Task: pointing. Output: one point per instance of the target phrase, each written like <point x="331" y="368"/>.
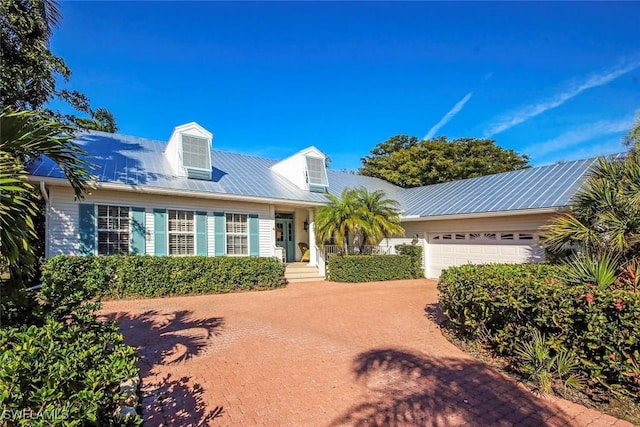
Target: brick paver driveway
<point x="320" y="354"/>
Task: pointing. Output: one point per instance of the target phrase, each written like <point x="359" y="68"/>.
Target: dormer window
<point x="316" y="174"/>
<point x="196" y="156"/>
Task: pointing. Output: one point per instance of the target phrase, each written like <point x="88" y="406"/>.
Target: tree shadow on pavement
<point x="406" y="388"/>
<point x="164" y="338"/>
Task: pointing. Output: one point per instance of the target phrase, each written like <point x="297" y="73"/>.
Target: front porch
<point x="302" y="272"/>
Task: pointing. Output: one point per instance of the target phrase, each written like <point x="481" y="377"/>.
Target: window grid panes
<point x="316" y="172"/>
<point x="113" y="230"/>
<point x="237" y="234"/>
<point x="181" y="233"/>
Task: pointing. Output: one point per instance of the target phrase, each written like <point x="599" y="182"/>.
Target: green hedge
<point x="499" y="305"/>
<point x="369" y="268"/>
<point x="67" y="279"/>
<point x="415" y="252"/>
<point x="63" y="374"/>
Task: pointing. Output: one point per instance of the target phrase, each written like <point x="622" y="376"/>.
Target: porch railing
<point x="356" y="250"/>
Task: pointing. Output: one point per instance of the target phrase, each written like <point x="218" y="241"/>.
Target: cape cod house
<point x="182" y="197"/>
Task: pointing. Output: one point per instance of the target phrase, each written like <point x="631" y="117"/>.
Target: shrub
<point x="68" y="280"/>
<point x="369" y="268"/>
<point x="415" y="252"/>
<point x="500" y="305"/>
<point x="63" y="374"/>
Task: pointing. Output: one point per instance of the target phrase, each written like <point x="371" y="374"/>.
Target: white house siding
<point x="441" y="254"/>
<point x="63" y="216"/>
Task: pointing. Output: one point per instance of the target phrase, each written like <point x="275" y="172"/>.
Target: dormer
<point x="307" y="169"/>
<point x="189" y="151"/>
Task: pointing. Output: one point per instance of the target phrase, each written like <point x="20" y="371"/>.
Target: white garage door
<point x="451" y="249"/>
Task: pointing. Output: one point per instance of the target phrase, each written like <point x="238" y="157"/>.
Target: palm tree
<point x="380" y="217"/>
<point x="357" y="217"/>
<point x="338" y="219"/>
<point x="25" y="136"/>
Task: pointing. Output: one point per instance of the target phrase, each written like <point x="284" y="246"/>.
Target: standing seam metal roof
<point x="141" y="162"/>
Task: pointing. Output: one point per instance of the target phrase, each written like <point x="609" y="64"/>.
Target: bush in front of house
<point x="66" y="280"/>
<point x="414" y="252"/>
<point x="369" y="268"/>
<point x="503" y="307"/>
<point x="64" y="373"/>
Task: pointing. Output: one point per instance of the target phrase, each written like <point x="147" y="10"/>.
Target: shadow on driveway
<point x="415" y="389"/>
<point x="168" y="338"/>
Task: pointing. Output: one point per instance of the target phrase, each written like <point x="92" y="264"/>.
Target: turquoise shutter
<point x="160" y="232"/>
<point x="254" y="247"/>
<point x="138" y="231"/>
<point x="218" y="233"/>
<point x="201" y="233"/>
<point x="87" y="228"/>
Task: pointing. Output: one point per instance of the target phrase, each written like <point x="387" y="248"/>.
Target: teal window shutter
<point x="254" y="243"/>
<point x="201" y="233"/>
<point x="219" y="233"/>
<point x="138" y="231"/>
<point x="87" y="228"/>
<point x="160" y="232"/>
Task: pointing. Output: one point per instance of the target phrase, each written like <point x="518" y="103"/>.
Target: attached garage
<point x="458" y="248"/>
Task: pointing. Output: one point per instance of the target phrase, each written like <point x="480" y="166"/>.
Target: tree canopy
<point x="407" y="161"/>
<point x="30" y="73"/>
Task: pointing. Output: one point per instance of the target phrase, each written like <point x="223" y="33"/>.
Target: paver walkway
<point x="321" y="354"/>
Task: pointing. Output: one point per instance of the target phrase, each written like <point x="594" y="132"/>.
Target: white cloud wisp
<point x="447" y="117"/>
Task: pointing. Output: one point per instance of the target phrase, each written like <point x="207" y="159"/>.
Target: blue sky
<point x="556" y="81"/>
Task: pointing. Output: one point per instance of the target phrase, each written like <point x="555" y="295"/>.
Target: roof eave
<point x="547" y="210"/>
<point x="176" y="192"/>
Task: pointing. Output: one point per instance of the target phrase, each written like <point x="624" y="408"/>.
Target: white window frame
<point x="111" y="230"/>
<point x="181" y="233"/>
<point x="228" y="234"/>
<point x="208" y="145"/>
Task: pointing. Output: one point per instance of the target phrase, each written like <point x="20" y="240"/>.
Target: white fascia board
<point x="176" y="192"/>
<point x="410" y="218"/>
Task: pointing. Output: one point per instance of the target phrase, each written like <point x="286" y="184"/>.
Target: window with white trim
<point x="181" y="233"/>
<point x="196" y="156"/>
<point x="237" y="233"/>
<point x="113" y="230"/>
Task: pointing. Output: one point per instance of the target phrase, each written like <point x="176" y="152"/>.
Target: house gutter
<point x="550" y="210"/>
<point x="176" y="192"/>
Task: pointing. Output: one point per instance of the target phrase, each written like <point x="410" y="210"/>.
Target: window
<point x="506" y="236"/>
<point x="237" y="234"/>
<point x="316" y="172"/>
<point x="113" y="230"/>
<point x="181" y="233"/>
<point x="525" y="236"/>
<point x="196" y="157"/>
<point x="460" y="236"/>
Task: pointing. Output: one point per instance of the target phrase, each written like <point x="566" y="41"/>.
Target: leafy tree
<point x="408" y="162"/>
<point x="632" y="139"/>
<point x="357" y="217"/>
<point x="101" y="119"/>
<point x="24" y="137"/>
<point x="30" y="71"/>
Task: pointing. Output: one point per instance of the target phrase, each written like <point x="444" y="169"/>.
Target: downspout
<point x="45" y="196"/>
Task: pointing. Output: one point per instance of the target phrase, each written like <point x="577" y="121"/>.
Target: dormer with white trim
<point x="307" y="169"/>
<point x="189" y="151"/>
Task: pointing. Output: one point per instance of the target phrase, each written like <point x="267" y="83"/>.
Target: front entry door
<point x="284" y="237"/>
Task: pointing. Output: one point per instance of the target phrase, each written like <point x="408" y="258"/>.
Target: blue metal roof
<point x="141" y="162"/>
<point x="534" y="188"/>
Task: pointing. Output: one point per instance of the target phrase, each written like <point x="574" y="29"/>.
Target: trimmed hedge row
<point x="500" y="305"/>
<point x="67" y="279"/>
<point x="414" y="252"/>
<point x="370" y="268"/>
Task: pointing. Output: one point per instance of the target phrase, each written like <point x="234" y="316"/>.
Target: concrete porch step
<point x="300" y="271"/>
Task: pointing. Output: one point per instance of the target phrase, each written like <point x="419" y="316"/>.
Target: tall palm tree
<point x="25" y="136"/>
<point x="357" y="217"/>
<point x="380" y="216"/>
